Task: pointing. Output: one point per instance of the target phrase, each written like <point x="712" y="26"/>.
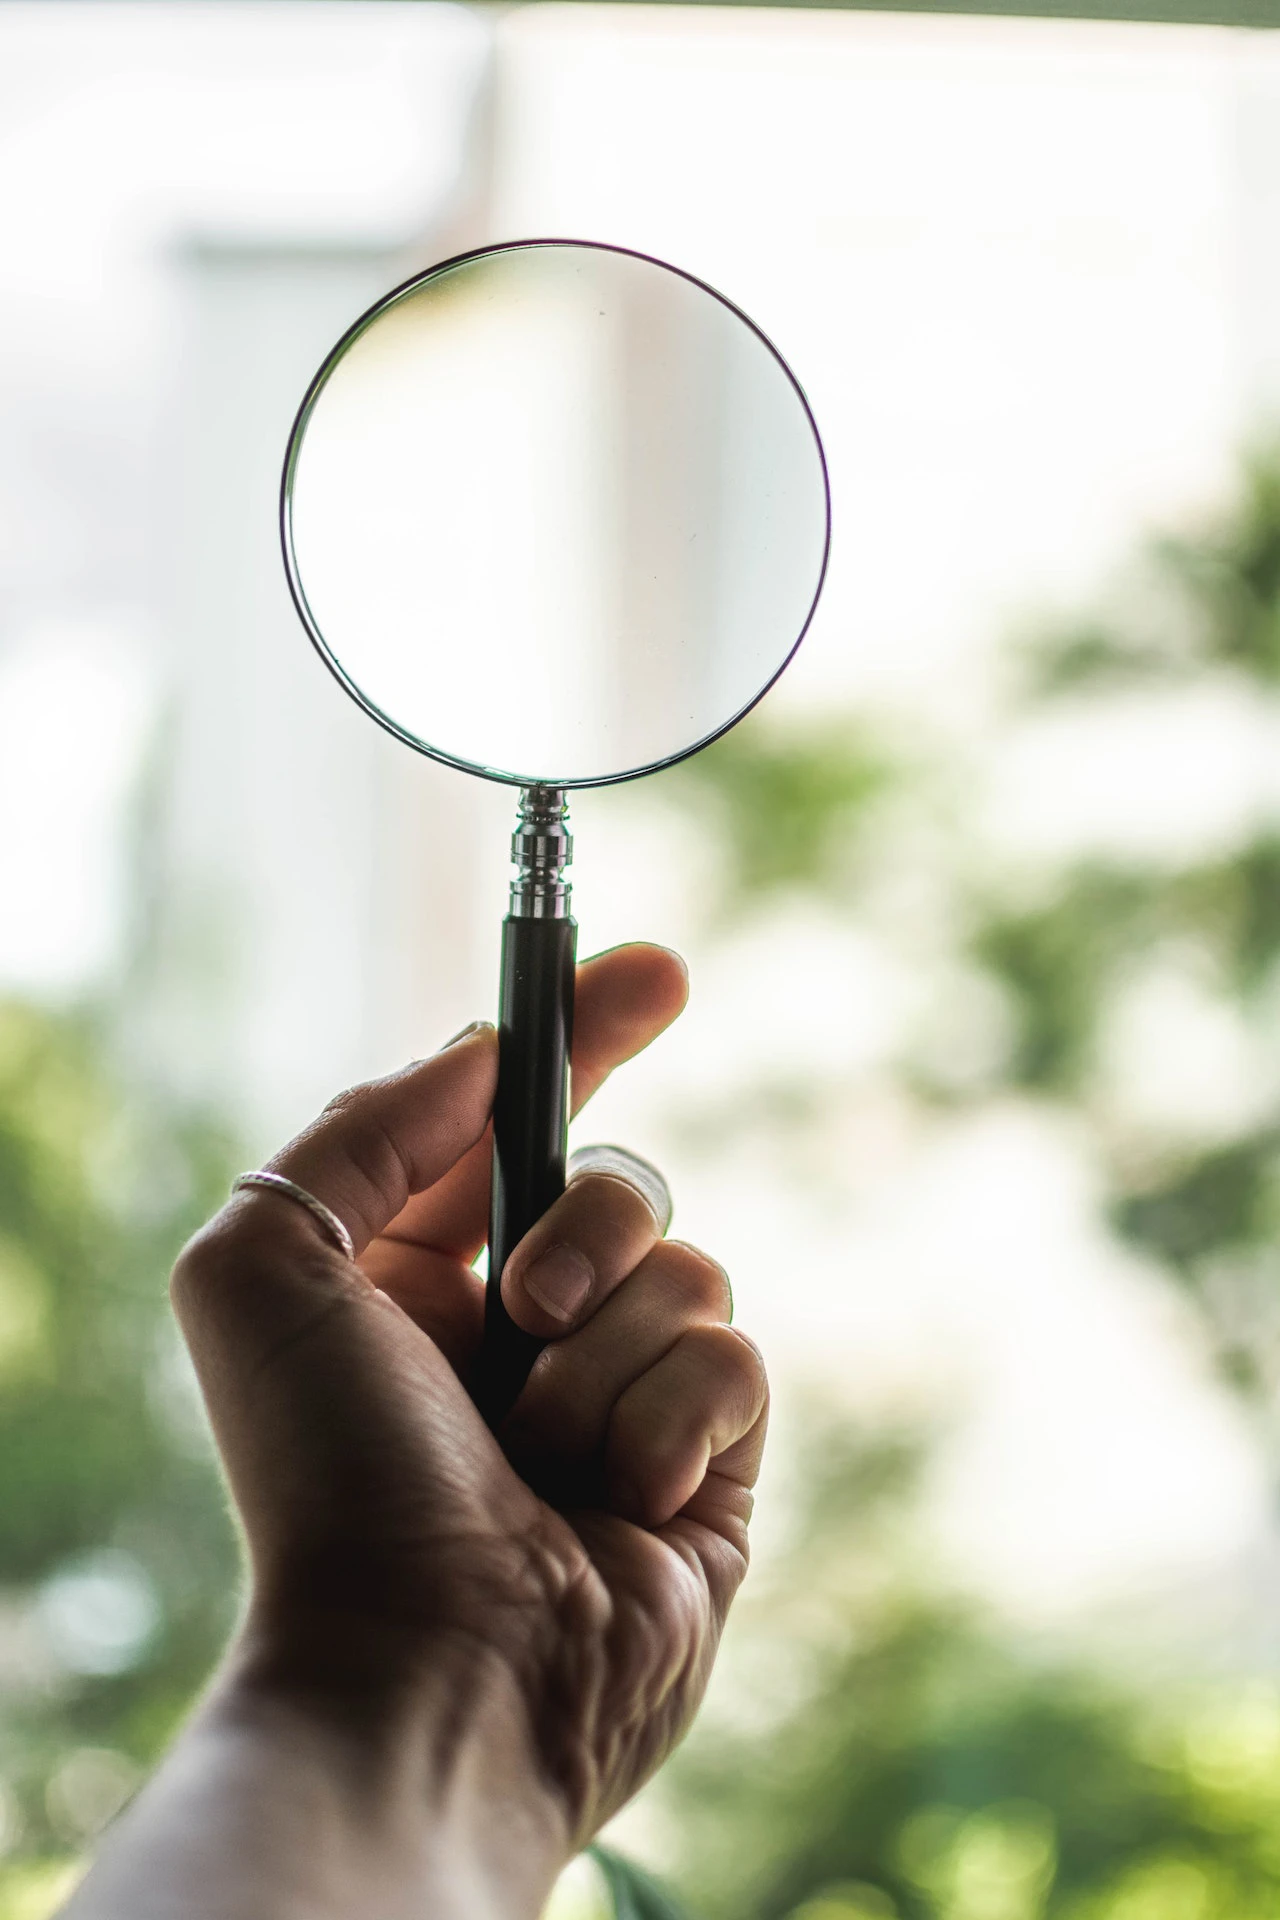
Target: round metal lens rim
<point x="294" y="577"/>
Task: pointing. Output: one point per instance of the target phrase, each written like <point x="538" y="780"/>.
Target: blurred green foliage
<point x="1206" y="1210"/>
<point x="632" y="1893"/>
<point x="117" y="1560"/>
<point x="923" y="1766"/>
<point x="1212" y="599"/>
<point x="1061" y="950"/>
<point x="788" y="807"/>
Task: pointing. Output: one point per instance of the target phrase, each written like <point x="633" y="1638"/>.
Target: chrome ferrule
<point x="541" y="847"/>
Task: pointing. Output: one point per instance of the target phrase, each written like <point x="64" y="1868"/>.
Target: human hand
<point x="536" y="1617"/>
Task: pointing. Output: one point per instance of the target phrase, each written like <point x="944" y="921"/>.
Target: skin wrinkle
<point x="455" y="1333"/>
<point x="219" y="1261"/>
<point x="372" y="1163"/>
<point x="288" y="1342"/>
<point x="641" y="1720"/>
<point x="465" y="1253"/>
<point x="500" y="1606"/>
<point x="584" y="1614"/>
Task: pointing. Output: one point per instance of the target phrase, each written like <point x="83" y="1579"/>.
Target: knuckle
<point x="373" y="1168"/>
<point x="236" y="1254"/>
<point x="702" y="1281"/>
<point x="201" y="1261"/>
<point x="734" y="1362"/>
<point x="348" y="1101"/>
<point x="631" y="1438"/>
<point x="365" y="1147"/>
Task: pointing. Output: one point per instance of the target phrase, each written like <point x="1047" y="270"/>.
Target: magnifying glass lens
<point x="556" y="513"/>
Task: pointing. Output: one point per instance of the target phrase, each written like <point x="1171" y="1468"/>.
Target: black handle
<point x="530" y="1124"/>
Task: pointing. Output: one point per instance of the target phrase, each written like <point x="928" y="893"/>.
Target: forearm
<point x="273" y="1808"/>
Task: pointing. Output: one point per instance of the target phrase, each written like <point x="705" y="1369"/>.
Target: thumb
<point x="375" y="1146"/>
<point x="264" y="1269"/>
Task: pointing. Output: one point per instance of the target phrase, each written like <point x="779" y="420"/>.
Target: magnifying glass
<point x="555" y="513"/>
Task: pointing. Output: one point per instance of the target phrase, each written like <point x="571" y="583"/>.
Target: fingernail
<point x="559" y="1280"/>
<point x="476" y="1026"/>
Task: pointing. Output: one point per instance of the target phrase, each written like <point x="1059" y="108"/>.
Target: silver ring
<point x="622" y="1164"/>
<point x="276" y="1183"/>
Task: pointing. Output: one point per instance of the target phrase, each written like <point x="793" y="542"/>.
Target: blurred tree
<point x="921" y="1768"/>
<point x="795" y="811"/>
<point x="116" y="1556"/>
<point x="1206" y="1208"/>
<point x="788" y="806"/>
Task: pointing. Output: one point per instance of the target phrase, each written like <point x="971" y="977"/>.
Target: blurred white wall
<point x="1254" y="250"/>
<point x="196" y="201"/>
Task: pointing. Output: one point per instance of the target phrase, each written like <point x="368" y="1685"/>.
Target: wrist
<point x="424" y="1763"/>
